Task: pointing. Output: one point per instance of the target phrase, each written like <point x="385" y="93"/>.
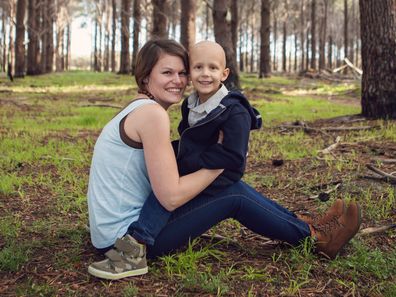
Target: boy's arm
<point x="231" y="154"/>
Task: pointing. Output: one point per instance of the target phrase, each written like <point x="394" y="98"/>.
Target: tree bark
<point x="378" y="35"/>
<point x="322" y="36"/>
<point x="68" y="44"/>
<point x="160" y="19"/>
<point x="265" y="54"/>
<point x="234" y="24"/>
<point x="50" y="36"/>
<point x="20" y="39"/>
<point x="187" y="23"/>
<point x="346" y="38"/>
<point x="113" y="34"/>
<point x="313" y="34"/>
<point x="33" y="67"/>
<point x="275" y="24"/>
<point x="125" y="16"/>
<point x="137" y="18"/>
<point x="302" y="35"/>
<point x="223" y="36"/>
<point x="4" y="43"/>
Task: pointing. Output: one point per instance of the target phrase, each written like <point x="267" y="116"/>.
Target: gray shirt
<point x="199" y="111"/>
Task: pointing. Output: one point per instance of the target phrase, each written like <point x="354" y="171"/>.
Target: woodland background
<point x="258" y="36"/>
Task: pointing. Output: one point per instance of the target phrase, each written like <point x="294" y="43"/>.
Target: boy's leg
<point x="153" y="217"/>
<point x="240" y="202"/>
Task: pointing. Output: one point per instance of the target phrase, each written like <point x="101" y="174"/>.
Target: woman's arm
<point x="150" y="125"/>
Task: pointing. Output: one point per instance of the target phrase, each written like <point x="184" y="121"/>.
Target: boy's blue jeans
<point x="165" y="231"/>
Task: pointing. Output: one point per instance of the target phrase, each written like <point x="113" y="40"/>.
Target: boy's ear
<point x="226" y="72"/>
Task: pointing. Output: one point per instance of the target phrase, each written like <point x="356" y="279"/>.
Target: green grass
<point x="46" y="144"/>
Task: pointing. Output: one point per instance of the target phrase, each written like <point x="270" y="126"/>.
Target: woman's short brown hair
<point x="149" y="55"/>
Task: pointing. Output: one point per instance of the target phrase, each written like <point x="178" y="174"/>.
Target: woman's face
<point x="167" y="80"/>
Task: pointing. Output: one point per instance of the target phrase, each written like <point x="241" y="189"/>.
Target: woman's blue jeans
<point x="164" y="231"/>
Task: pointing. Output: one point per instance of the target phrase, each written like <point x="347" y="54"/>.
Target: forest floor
<point x="49" y="125"/>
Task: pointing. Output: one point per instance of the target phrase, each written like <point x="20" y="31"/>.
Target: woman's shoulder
<point x="149" y="111"/>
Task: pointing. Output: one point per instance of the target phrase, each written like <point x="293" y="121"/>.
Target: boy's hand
<point x="221" y="137"/>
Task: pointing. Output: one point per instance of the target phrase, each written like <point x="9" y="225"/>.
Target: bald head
<point x="210" y="49"/>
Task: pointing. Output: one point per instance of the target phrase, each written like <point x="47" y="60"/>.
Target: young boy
<point x="209" y="110"/>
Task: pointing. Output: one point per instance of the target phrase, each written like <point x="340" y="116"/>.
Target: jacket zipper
<point x="201" y="124"/>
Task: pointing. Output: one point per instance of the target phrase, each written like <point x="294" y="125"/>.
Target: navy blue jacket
<point x="198" y="148"/>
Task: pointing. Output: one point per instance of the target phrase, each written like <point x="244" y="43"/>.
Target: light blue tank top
<point x="118" y="183"/>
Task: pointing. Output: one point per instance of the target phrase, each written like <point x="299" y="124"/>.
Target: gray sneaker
<point x="128" y="258"/>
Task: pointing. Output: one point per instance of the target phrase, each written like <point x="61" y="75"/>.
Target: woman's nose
<point x="177" y="78"/>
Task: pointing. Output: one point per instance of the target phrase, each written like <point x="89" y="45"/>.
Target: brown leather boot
<point x="336" y="210"/>
<point x="333" y="235"/>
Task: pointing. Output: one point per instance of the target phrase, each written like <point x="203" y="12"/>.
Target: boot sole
<point x="114" y="276"/>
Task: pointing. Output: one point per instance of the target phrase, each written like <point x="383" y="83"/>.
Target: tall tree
<point x="234" y="24"/>
<point x="302" y="35"/>
<point x="284" y="42"/>
<point x="187" y="23"/>
<point x="275" y="34"/>
<point x="48" y="54"/>
<point x="346" y="29"/>
<point x="222" y="31"/>
<point x="3" y="42"/>
<point x="113" y="34"/>
<point x="33" y="66"/>
<point x="160" y="19"/>
<point x="313" y="34"/>
<point x="378" y="35"/>
<point x="265" y="55"/>
<point x="137" y="18"/>
<point x="322" y="34"/>
<point x="20" y="39"/>
<point x="125" y="16"/>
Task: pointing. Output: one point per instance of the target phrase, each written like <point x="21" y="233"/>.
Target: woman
<point x="139" y="138"/>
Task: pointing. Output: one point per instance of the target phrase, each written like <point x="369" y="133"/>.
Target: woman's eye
<point x="183" y="73"/>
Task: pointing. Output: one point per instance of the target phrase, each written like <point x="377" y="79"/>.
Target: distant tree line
<point x="260" y="36"/>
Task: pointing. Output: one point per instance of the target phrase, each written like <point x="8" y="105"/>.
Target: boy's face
<point x="207" y="64"/>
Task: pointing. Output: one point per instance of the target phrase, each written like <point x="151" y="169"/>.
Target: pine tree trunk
<point x="234" y="24"/>
<point x="284" y="46"/>
<point x="137" y="17"/>
<point x="295" y="48"/>
<point x="265" y="54"/>
<point x="330" y="52"/>
<point x="322" y="38"/>
<point x="113" y="34"/>
<point x="275" y="59"/>
<point x="68" y="44"/>
<point x="125" y="16"/>
<point x="33" y="45"/>
<point x="50" y="36"/>
<point x="223" y="36"/>
<point x="346" y="38"/>
<point x="378" y="35"/>
<point x="302" y="36"/>
<point x="160" y="19"/>
<point x="4" y="42"/>
<point x="20" y="39"/>
<point x="313" y="34"/>
<point x="187" y="23"/>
